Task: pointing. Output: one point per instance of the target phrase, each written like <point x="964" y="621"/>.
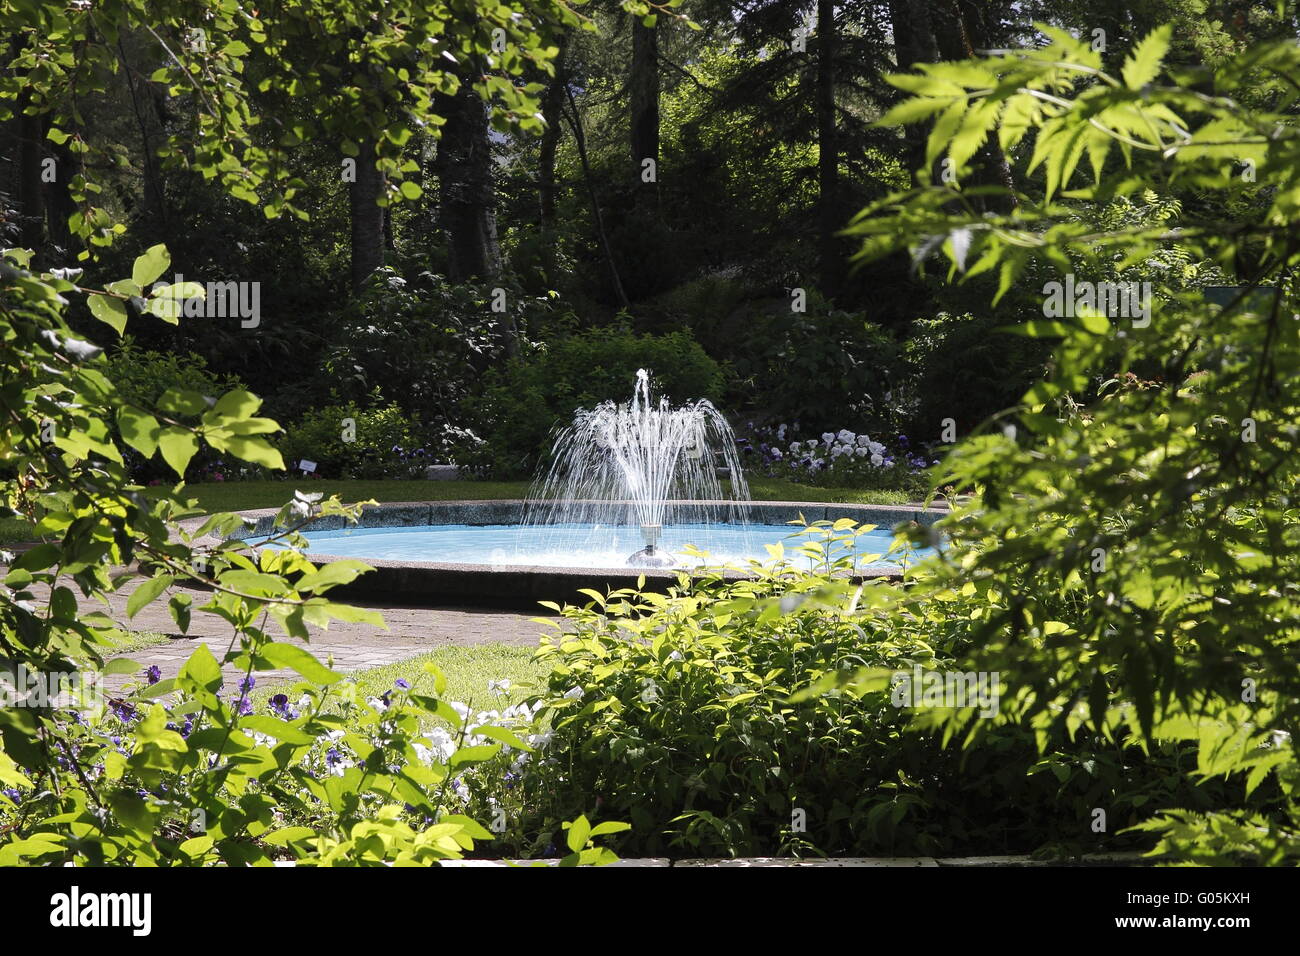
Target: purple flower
<point x="332" y="756"/>
<point x="123" y="711"/>
<point x="280" y="707"/>
<point x="244" y="707"/>
<point x="12" y="793"/>
<point x="153" y="674"/>
<point x="246" y="684"/>
<point x="402" y="683"/>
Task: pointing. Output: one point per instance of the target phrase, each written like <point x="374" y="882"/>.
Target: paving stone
<point x="411" y="631"/>
<point x="839" y="862"/>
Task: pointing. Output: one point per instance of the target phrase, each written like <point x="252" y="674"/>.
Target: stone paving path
<point x="411" y="631"/>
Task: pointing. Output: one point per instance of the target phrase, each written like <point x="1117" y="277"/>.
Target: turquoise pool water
<point x="585" y="546"/>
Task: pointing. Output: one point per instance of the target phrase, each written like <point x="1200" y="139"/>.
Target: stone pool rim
<point x="435" y="583"/>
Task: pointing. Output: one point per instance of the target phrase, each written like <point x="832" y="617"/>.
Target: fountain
<point x="631" y="498"/>
<point x="642" y="464"/>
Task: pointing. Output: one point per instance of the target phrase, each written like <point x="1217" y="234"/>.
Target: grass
<point x="132" y="641"/>
<point x="236" y="496"/>
<point x="14" y="531"/>
<point x="467" y="669"/>
<point x="241" y="495"/>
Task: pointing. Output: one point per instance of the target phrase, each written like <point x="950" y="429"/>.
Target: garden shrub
<point x="180" y="772"/>
<point x="382" y="442"/>
<point x="1134" y="537"/>
<point x="523" y="402"/>
<point x="822" y="367"/>
<point x="143" y="377"/>
<point x="696" y="716"/>
<point x="966" y="367"/>
<point x="424" y="343"/>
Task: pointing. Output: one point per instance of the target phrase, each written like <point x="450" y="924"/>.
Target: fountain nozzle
<point x="650" y="556"/>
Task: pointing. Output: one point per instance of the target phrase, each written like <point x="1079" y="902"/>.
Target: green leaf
<point x="150" y="266"/>
<point x="255" y="450"/>
<point x="913" y="110"/>
<point x="146" y="592"/>
<point x="335" y="573"/>
<point x="504" y="736"/>
<point x="178" y="446"/>
<point x="579" y="833"/>
<point x="139" y="429"/>
<point x="297" y="659"/>
<point x="179" y="606"/>
<point x="472" y="755"/>
<point x="237" y="403"/>
<point x="202" y="668"/>
<point x="1143" y="64"/>
<point x="1039" y="329"/>
<point x="109" y="310"/>
<point x="182" y="401"/>
<point x="279" y="729"/>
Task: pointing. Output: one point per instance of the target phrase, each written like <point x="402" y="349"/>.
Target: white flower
<point x="517" y="711"/>
<point x="675" y="656"/>
<point x="877" y="460"/>
<point x="776" y="454"/>
<point x="461" y="710"/>
<point x="839" y="450"/>
<point x="539" y="741"/>
<point x="864" y="440"/>
<point x="573" y="693"/>
<point x="780" y="433"/>
<point x="828" y="437"/>
<point x="846" y="436"/>
<point x="796" y="447"/>
<point x="499" y="686"/>
<point x="441" y="744"/>
<point x="861" y="452"/>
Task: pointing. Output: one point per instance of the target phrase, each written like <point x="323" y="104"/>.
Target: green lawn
<point x="240" y="495"/>
<point x="236" y="496"/>
<point x="132" y="641"/>
<point x="467" y="669"/>
<point x="14" y="530"/>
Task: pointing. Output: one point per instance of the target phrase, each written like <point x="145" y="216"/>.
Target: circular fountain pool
<point x="633" y="496"/>
<point x="590" y="546"/>
<point x="484" y="552"/>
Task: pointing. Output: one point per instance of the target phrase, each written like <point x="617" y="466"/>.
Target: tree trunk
<point x="31" y="192"/>
<point x="961" y="28"/>
<point x="580" y="140"/>
<point x="60" y="206"/>
<point x="552" y="113"/>
<point x="913" y="43"/>
<point x="367" y="216"/>
<point x="828" y="212"/>
<point x="465" y="197"/>
<point x="644" y="120"/>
